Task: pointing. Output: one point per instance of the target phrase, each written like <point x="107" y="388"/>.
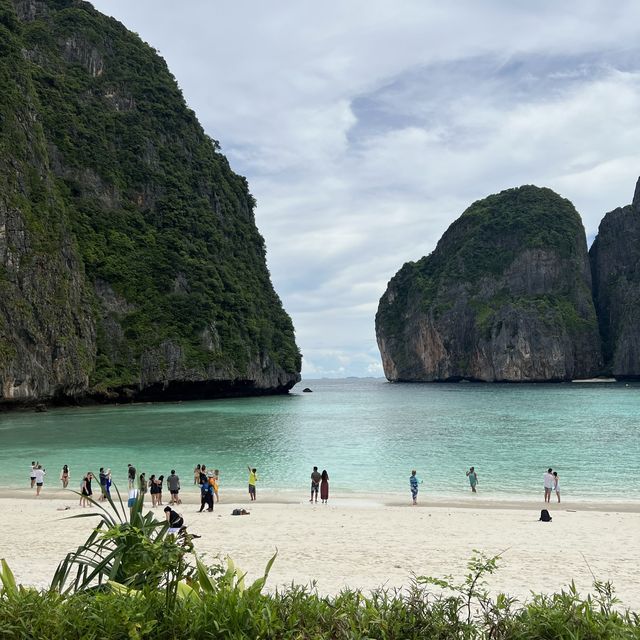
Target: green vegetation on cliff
<point x="164" y="228"/>
<point x="506" y="295"/>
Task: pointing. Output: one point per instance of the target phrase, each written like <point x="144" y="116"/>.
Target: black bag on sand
<point x="545" y="516"/>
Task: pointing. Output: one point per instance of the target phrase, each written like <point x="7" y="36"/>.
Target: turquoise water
<point x="367" y="433"/>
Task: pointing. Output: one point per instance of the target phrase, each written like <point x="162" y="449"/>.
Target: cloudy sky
<point x="366" y="127"/>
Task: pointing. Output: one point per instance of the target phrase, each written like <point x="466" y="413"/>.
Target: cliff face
<point x="505" y="296"/>
<point x="130" y="264"/>
<point x="615" y="265"/>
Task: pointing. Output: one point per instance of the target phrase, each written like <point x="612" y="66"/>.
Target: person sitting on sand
<point x="175" y="520"/>
<point x="556" y="485"/>
<point x="253" y="478"/>
<point x="414" y="481"/>
<point x="473" y="478"/>
<point x="176" y="524"/>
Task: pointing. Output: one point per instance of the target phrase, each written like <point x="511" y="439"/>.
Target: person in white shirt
<point x="32" y="473"/>
<point x="40" y="474"/>
<point x="548" y="484"/>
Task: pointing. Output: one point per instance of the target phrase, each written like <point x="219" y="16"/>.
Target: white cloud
<point x="366" y="128"/>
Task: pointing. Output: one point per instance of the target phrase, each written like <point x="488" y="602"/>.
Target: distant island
<point x="130" y="263"/>
<point x="511" y="294"/>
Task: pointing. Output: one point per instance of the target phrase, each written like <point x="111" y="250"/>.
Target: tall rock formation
<point x="505" y="296"/>
<point x="130" y="263"/>
<point x="615" y="266"/>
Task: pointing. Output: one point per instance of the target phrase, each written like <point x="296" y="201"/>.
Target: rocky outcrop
<point x="615" y="266"/>
<point x="505" y="296"/>
<point x="130" y="263"/>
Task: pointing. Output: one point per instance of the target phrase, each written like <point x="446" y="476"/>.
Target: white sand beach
<point x="365" y="543"/>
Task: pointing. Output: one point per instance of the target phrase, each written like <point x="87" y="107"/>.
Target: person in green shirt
<point x="473" y="479"/>
<point x="253" y="478"/>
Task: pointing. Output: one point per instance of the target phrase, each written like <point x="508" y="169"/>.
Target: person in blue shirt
<point x="206" y="495"/>
<point x="414" y="481"/>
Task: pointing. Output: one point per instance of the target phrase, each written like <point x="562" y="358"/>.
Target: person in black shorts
<point x="316" y="476"/>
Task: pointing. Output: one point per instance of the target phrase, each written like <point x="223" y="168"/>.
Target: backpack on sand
<point x="545" y="516"/>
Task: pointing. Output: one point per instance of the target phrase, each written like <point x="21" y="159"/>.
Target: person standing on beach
<point x="40" y="474"/>
<point x="206" y="495"/>
<point x="102" y="478"/>
<point x="173" y="483"/>
<point x="253" y="478"/>
<point x="32" y="473"/>
<point x="548" y="484"/>
<point x="85" y="489"/>
<point x="324" y="487"/>
<point x="153" y="489"/>
<point x="556" y="485"/>
<point x="131" y="476"/>
<point x="64" y="476"/>
<point x="414" y="481"/>
<point x="142" y="486"/>
<point x="473" y="478"/>
<point x="316" y="476"/>
<point x="160" y="481"/>
<point x="216" y="484"/>
<point x="107" y="485"/>
<point x="196" y="474"/>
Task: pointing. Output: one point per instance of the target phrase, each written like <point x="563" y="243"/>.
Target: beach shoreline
<point x="191" y="495"/>
<point x="363" y="543"/>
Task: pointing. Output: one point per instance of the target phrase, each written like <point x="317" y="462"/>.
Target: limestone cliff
<point x="130" y="263"/>
<point x="615" y="266"/>
<point x="505" y="296"/>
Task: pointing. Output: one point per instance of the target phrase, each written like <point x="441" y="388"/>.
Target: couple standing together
<point x="551" y="483"/>
<point x="319" y="481"/>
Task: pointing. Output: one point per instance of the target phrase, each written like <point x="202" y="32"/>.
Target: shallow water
<point x="367" y="433"/>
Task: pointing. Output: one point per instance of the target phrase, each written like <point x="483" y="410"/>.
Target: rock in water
<point x="615" y="267"/>
<point x="130" y="264"/>
<point x="505" y="296"/>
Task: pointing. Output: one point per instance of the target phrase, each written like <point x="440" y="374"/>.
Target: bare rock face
<point x="505" y="296"/>
<point x="615" y="266"/>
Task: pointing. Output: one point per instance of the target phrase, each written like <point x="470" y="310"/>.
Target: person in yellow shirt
<point x="253" y="478"/>
<point x="215" y="483"/>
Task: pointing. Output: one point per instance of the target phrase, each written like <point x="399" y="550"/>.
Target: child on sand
<point x="253" y="478"/>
